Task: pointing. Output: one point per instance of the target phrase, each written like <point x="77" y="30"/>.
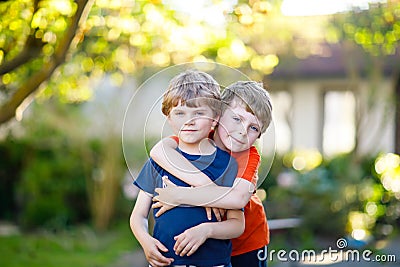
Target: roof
<point x="335" y="63"/>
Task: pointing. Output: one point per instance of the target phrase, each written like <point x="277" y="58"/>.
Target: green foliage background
<point x="327" y="197"/>
<point x="51" y="51"/>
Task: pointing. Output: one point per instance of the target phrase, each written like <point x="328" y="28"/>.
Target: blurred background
<point x="68" y="70"/>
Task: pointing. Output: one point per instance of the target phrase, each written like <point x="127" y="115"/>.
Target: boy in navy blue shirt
<point x="192" y="106"/>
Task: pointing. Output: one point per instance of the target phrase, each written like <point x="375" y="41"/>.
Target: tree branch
<point x="71" y="38"/>
<point x="31" y="49"/>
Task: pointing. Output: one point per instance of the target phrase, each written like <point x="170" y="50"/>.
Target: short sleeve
<point x="175" y="138"/>
<point x="248" y="163"/>
<point x="230" y="172"/>
<point x="146" y="179"/>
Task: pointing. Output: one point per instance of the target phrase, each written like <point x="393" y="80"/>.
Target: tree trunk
<point x="397" y="115"/>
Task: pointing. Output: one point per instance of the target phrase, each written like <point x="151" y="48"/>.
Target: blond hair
<point x="192" y="85"/>
<point x="253" y="96"/>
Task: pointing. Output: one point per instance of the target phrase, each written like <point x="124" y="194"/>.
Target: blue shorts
<point x="254" y="258"/>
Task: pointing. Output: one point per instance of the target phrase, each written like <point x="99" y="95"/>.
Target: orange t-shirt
<point x="256" y="232"/>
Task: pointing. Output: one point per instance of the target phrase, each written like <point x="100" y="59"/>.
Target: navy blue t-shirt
<point x="222" y="169"/>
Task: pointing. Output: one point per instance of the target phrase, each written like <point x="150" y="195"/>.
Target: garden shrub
<point x="342" y="196"/>
<point x="11" y="155"/>
<point x="52" y="189"/>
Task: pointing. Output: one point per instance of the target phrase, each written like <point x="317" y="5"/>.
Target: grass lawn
<point x="78" y="247"/>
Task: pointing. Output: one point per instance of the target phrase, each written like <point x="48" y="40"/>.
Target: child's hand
<point x="163" y="206"/>
<point x="219" y="213"/>
<point x="189" y="241"/>
<point x="165" y="197"/>
<point x="167" y="182"/>
<point x="152" y="248"/>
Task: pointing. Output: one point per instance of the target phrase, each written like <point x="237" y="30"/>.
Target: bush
<point x="52" y="189"/>
<point x="58" y="173"/>
<point x="11" y="155"/>
<point x="341" y="196"/>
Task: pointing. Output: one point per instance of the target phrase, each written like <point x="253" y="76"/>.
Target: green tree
<point x="56" y="47"/>
<point x="35" y="39"/>
<point x="59" y="46"/>
<point x="377" y="32"/>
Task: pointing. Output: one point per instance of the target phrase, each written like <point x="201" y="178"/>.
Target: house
<point x="318" y="104"/>
<point x="335" y="102"/>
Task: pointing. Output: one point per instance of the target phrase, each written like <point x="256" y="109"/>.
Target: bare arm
<point x="231" y="228"/>
<point x="235" y="197"/>
<point x="165" y="154"/>
<point x="139" y="226"/>
<point x="190" y="240"/>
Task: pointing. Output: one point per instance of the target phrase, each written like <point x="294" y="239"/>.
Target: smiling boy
<point x="192" y="107"/>
<point x="246" y="115"/>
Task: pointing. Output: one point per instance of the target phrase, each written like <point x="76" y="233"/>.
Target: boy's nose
<point x="243" y="130"/>
<point x="190" y="121"/>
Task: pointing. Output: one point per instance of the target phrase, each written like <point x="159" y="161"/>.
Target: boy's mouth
<point x="237" y="141"/>
<point x="188" y="131"/>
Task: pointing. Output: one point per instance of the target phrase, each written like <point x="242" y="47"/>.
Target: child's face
<point x="191" y="124"/>
<point x="238" y="129"/>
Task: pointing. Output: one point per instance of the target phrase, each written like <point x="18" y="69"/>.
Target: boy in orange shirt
<point x="246" y="116"/>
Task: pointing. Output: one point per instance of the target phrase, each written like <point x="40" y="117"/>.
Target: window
<point x="339" y="122"/>
<point x="281" y="112"/>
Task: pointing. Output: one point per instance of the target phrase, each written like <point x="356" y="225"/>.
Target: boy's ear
<point x="215" y="121"/>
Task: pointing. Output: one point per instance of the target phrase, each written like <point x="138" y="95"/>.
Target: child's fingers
<point x="155" y="257"/>
<point x="222" y="212"/>
<point x="157" y="205"/>
<point x="161" y="247"/>
<point x="180" y="243"/>
<point x="185" y="250"/>
<point x="157" y="190"/>
<point x="161" y="211"/>
<point x="208" y="211"/>
<point x="161" y="258"/>
<point x="217" y="214"/>
<point x="193" y="250"/>
<point x="168" y="181"/>
<point x="177" y="241"/>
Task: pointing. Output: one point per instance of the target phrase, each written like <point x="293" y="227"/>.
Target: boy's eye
<point x="236" y="119"/>
<point x="199" y="113"/>
<point x="254" y="128"/>
<point x="178" y="113"/>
